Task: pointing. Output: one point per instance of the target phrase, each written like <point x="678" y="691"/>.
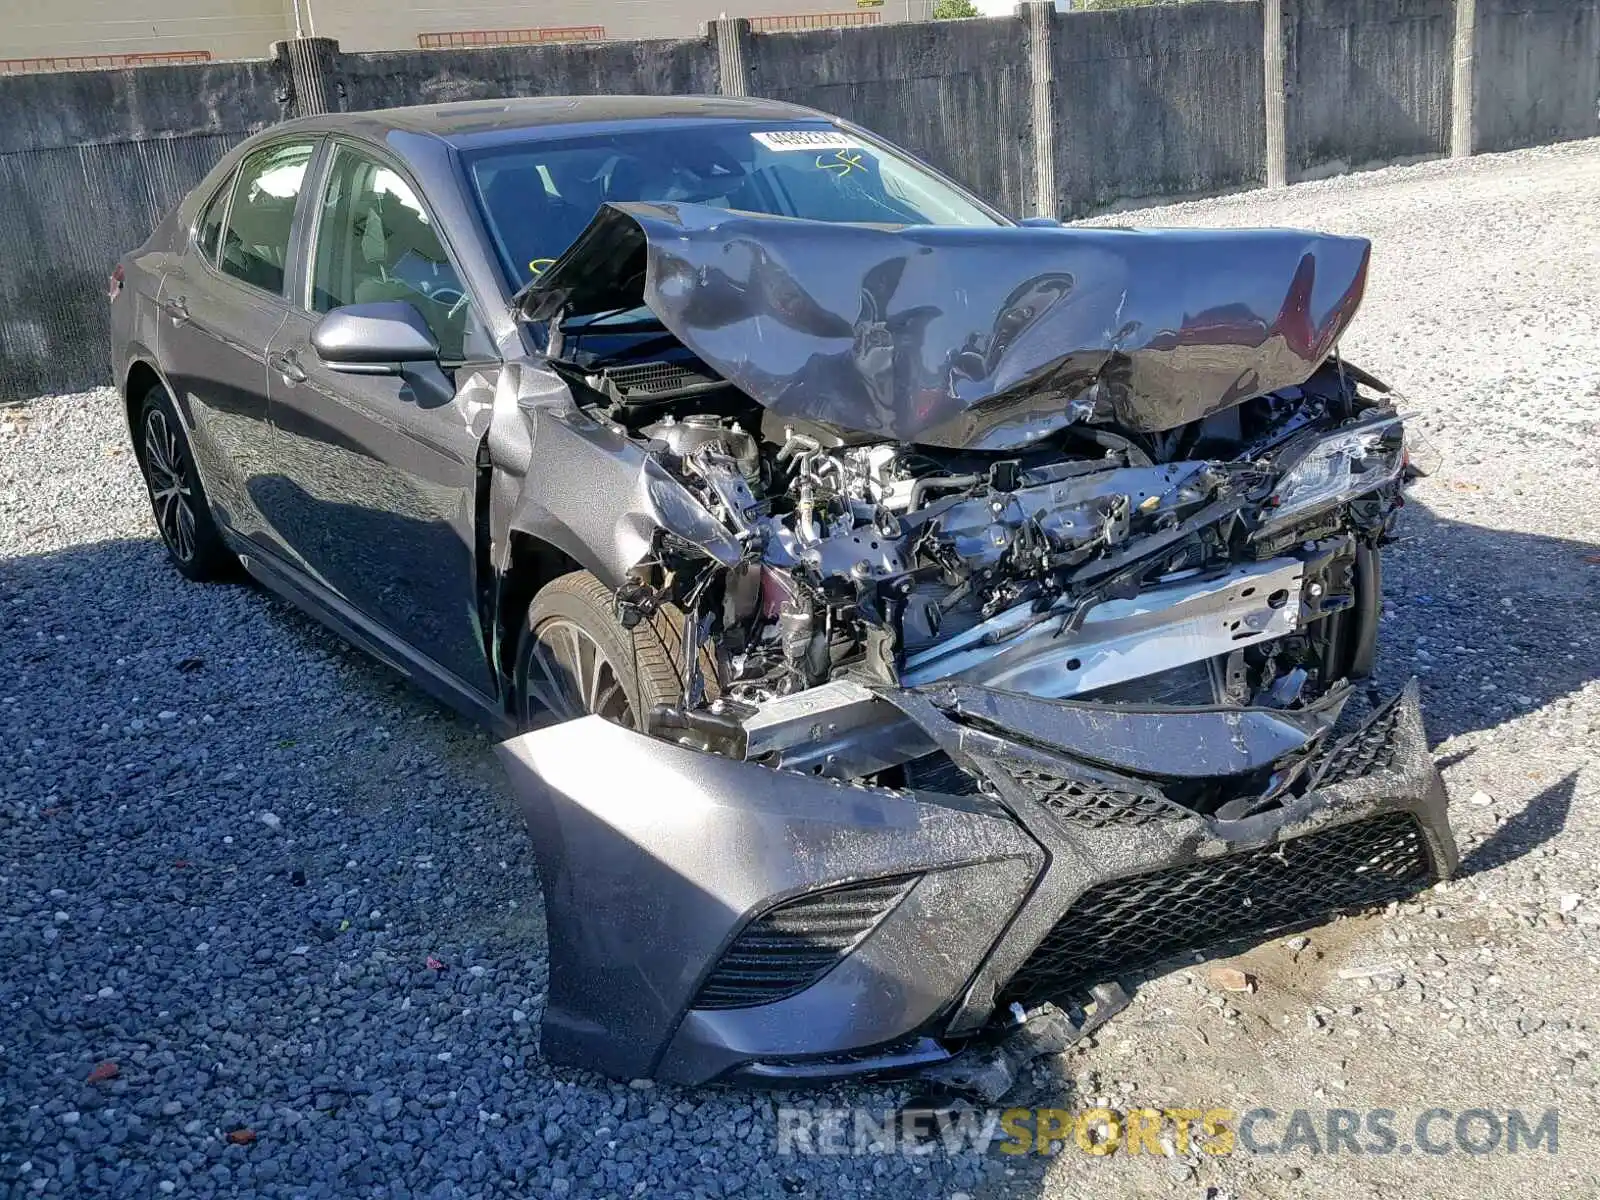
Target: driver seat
<point x="379" y="250"/>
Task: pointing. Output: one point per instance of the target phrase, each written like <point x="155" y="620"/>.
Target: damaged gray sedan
<point x="917" y="621"/>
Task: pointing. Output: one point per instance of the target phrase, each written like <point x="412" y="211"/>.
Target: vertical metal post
<point x="312" y="66"/>
<point x="1040" y="16"/>
<point x="730" y="35"/>
<point x="1274" y="49"/>
<point x="1463" y="82"/>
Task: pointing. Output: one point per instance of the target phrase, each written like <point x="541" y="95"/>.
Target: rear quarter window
<point x="208" y="233"/>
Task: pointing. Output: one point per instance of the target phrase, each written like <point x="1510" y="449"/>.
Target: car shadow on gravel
<point x="1543" y="818"/>
<point x="1495" y="623"/>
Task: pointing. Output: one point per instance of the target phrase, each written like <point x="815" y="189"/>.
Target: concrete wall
<point x="1368" y="81"/>
<point x="433" y="76"/>
<point x="953" y="92"/>
<point x="1133" y="104"/>
<point x="1157" y="102"/>
<point x="1537" y="72"/>
<point x="99" y="159"/>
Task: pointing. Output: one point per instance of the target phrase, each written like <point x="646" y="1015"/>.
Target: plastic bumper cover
<point x="673" y="879"/>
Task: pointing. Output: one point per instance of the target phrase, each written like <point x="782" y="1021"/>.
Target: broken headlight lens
<point x="1339" y="468"/>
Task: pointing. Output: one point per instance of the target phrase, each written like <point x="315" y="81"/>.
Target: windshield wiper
<point x="595" y="318"/>
<point x="639" y="326"/>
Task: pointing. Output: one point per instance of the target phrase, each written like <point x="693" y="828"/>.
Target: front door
<point x="375" y="476"/>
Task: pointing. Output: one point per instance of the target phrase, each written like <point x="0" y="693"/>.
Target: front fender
<point x="582" y="484"/>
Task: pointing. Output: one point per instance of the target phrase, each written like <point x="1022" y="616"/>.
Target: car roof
<point x="479" y="121"/>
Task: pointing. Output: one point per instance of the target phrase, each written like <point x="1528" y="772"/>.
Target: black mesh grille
<point x="1370" y="748"/>
<point x="1129" y="924"/>
<point x="1087" y="802"/>
<point x="790" y="947"/>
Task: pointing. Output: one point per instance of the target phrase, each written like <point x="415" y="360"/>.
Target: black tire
<point x="177" y="499"/>
<point x="639" y="668"/>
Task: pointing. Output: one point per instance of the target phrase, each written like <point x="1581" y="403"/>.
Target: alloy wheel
<point x="166" y="464"/>
<point x="569" y="674"/>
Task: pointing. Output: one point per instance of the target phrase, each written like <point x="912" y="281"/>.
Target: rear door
<point x="374" y="477"/>
<point x="221" y="304"/>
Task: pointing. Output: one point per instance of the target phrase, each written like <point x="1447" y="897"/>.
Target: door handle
<point x="177" y="308"/>
<point x="288" y="365"/>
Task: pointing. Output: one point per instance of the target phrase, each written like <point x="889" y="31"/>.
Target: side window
<point x="375" y="242"/>
<point x="255" y="245"/>
<point x="210" y="230"/>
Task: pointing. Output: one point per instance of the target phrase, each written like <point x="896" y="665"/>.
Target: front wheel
<point x="194" y="544"/>
<point x="575" y="658"/>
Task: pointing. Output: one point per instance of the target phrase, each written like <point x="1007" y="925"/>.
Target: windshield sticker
<point x="807" y="139"/>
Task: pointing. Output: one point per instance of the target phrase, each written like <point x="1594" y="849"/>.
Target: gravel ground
<point x="285" y="905"/>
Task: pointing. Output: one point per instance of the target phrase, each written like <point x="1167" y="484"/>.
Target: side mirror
<point x="1039" y="223"/>
<point x="374" y="339"/>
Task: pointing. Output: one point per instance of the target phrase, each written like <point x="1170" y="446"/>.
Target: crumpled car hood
<point x="979" y="338"/>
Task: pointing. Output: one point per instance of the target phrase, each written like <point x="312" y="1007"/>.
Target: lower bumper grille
<point x="1369" y="749"/>
<point x="1132" y="923"/>
<point x="792" y="946"/>
<point x="1085" y="802"/>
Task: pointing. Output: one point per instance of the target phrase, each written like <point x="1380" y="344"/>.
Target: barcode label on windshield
<point x="806" y="139"/>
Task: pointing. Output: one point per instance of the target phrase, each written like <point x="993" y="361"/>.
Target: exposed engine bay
<point x="1217" y="562"/>
<point x="1054" y="480"/>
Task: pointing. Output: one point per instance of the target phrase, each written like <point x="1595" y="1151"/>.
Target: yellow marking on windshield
<point x="843" y="162"/>
<point x="539" y="265"/>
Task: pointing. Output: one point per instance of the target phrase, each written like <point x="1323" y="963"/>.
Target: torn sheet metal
<point x="970" y="337"/>
<point x="1159" y="740"/>
<point x="593" y="492"/>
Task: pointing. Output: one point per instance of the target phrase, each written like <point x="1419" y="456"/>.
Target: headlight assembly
<point x="1339" y="468"/>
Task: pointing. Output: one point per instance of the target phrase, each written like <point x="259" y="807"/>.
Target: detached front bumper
<point x="711" y="918"/>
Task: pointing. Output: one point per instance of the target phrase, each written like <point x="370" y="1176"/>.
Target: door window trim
<point x="205" y="206"/>
<point x="301" y="298"/>
<point x="318" y="144"/>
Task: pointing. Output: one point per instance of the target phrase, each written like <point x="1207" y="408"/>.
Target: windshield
<point x="538" y="196"/>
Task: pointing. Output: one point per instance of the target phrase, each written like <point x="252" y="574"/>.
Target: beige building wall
<point x="79" y="28"/>
<point x="245" y="28"/>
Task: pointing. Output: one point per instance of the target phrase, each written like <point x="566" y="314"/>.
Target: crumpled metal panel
<point x="1180" y="742"/>
<point x="593" y="492"/>
<point x="1189" y="621"/>
<point x="983" y="338"/>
